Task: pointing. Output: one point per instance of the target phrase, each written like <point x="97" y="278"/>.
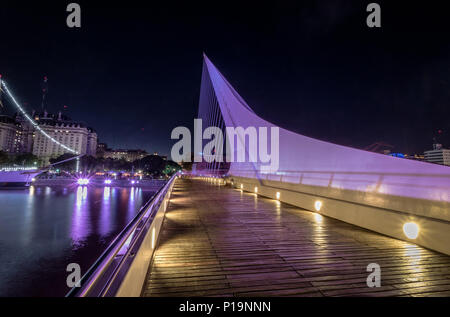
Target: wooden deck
<point x="218" y="241"/>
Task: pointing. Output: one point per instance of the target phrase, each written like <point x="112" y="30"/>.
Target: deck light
<point x="318" y="205"/>
<point x="411" y="230"/>
<point x="153" y="238"/>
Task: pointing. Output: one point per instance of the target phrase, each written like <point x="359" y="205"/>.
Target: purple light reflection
<point x="81" y="224"/>
<point x="105" y="212"/>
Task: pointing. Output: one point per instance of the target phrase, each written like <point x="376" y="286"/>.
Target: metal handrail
<point x="99" y="278"/>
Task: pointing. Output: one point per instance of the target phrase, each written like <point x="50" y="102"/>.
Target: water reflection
<point x="105" y="223"/>
<point x="278" y="210"/>
<point x="318" y="218"/>
<point x="80" y="218"/>
<point x="81" y="194"/>
<point x="45" y="228"/>
<point x="318" y="235"/>
<point x="131" y="201"/>
<point x="413" y="257"/>
<point x="106" y="193"/>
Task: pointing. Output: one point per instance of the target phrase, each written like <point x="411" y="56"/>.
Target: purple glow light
<point x="83" y="181"/>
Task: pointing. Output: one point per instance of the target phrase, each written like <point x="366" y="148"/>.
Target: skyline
<point x="379" y="84"/>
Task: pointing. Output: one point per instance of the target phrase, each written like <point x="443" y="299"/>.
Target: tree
<point x="4" y="158"/>
<point x="171" y="168"/>
<point x="122" y="165"/>
<point x="26" y="159"/>
<point x="187" y="166"/>
<point x="89" y="164"/>
<point x="152" y="164"/>
<point x="68" y="166"/>
<point x="62" y="157"/>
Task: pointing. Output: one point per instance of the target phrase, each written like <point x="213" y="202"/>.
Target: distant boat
<point x="17" y="177"/>
<point x="22" y="177"/>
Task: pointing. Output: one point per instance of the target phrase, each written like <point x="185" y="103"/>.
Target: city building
<point x="164" y="157"/>
<point x="25" y="135"/>
<point x="133" y="155"/>
<point x="127" y="155"/>
<point x="18" y="136"/>
<point x="438" y="155"/>
<point x="91" y="148"/>
<point x="74" y="135"/>
<point x="416" y="157"/>
<point x="8" y="132"/>
<point x="101" y="149"/>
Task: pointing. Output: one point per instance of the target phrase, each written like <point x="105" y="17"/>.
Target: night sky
<point x="133" y="70"/>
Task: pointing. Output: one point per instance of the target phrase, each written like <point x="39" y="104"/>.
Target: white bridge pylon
<point x="382" y="193"/>
<point x="317" y="163"/>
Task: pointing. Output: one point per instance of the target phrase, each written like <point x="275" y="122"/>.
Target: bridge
<point x="219" y="241"/>
<point x="308" y="226"/>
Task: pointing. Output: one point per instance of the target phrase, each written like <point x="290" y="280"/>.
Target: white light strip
<point x="9" y="169"/>
<point x="33" y="122"/>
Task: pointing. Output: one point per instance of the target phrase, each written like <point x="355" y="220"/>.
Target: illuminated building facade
<point x="74" y="135"/>
<point x="127" y="155"/>
<point x="8" y="131"/>
<point x="438" y="155"/>
<point x="101" y="148"/>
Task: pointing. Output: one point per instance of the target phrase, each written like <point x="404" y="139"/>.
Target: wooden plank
<point x="218" y="241"/>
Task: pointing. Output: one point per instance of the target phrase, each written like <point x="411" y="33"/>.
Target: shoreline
<point x="152" y="184"/>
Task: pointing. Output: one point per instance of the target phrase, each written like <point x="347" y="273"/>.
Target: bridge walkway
<point x="218" y="241"/>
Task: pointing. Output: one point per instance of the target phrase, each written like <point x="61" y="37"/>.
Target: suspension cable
<point x="36" y="126"/>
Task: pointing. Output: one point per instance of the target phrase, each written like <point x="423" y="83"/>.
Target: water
<point x="43" y="229"/>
